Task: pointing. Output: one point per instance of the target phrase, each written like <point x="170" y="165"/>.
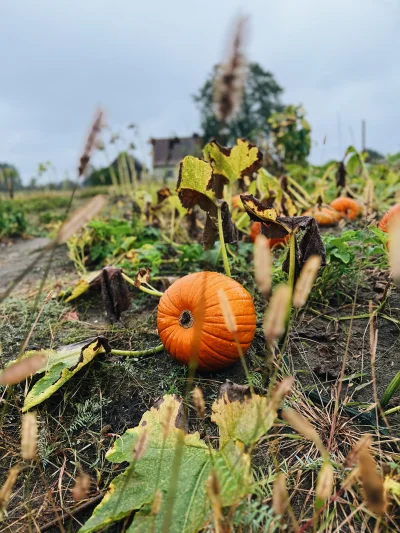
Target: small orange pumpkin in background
<point x="393" y="212"/>
<point x="256" y="229"/>
<point x="177" y="314"/>
<point x="348" y="207"/>
<point x="325" y="216"/>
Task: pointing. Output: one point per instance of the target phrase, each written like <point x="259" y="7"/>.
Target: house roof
<point x="170" y="151"/>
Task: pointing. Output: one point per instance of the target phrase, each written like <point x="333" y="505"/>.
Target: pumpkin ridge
<point x="169" y="304"/>
<point x="219" y="355"/>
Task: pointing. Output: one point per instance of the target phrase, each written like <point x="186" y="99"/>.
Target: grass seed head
<point x="231" y="77"/>
<point x="29" y="433"/>
<point x="22" y="369"/>
<point x="229" y="317"/>
<point x="324" y="487"/>
<point x="155" y="508"/>
<point x="364" y="442"/>
<point x="6" y="489"/>
<point x="141" y="445"/>
<point x="276" y="313"/>
<point x="91" y="142"/>
<point x="394" y="248"/>
<point x="281" y="391"/>
<point x="302" y="426"/>
<point x="166" y="422"/>
<point x="81" y="489"/>
<point x="306" y="279"/>
<point x="214" y="495"/>
<point x="372" y="482"/>
<point x="263" y="264"/>
<point x="280" y="497"/>
<point x="198" y="401"/>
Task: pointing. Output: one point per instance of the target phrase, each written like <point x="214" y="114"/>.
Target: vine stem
<point x="151" y="291"/>
<point x="137" y="353"/>
<point x="222" y="242"/>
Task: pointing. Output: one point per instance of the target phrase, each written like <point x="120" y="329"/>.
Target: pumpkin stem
<point x="141" y="287"/>
<point x="186" y="319"/>
<point x="222" y="242"/>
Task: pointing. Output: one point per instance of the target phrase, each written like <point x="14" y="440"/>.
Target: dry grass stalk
<point x="91" y="142"/>
<point x="23" y="369"/>
<point x="80" y="217"/>
<point x="394" y="248"/>
<point x="229" y="317"/>
<point x="214" y="495"/>
<point x="141" y="445"/>
<point x="229" y="83"/>
<point x="302" y="426"/>
<point x="263" y="264"/>
<point x="324" y="486"/>
<point x="372" y="482"/>
<point x="155" y="508"/>
<point x="29" y="433"/>
<point x="280" y="496"/>
<point x="6" y="489"/>
<point x="276" y="313"/>
<point x="198" y="401"/>
<point x="81" y="489"/>
<point x="306" y="280"/>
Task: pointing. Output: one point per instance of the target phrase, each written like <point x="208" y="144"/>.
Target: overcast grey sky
<point x="142" y="60"/>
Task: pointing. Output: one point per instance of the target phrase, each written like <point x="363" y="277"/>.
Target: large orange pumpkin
<point x="325" y="216"/>
<point x="256" y="229"/>
<point x="384" y="223"/>
<point x="348" y="207"/>
<point x="176" y="320"/>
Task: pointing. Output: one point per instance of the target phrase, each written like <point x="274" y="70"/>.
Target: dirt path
<point x="17" y="256"/>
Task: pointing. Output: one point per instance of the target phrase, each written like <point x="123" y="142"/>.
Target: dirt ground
<point x="78" y="424"/>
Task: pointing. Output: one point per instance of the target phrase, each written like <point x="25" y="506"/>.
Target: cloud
<point x="143" y="60"/>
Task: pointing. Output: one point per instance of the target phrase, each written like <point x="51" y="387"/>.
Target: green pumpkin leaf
<point x="136" y="487"/>
<point x="194" y="184"/>
<point x="233" y="163"/>
<point x="61" y="365"/>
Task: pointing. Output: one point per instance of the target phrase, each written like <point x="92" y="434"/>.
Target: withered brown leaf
<point x="115" y="293"/>
<point x="308" y="240"/>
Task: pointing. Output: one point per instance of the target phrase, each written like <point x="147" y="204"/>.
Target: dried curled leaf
<point x="308" y="240"/>
<point x="60" y="366"/>
<point x="115" y="293"/>
<point x="142" y="276"/>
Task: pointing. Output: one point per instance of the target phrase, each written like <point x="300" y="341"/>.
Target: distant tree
<point x="373" y="155"/>
<point x="124" y="162"/>
<point x="291" y="135"/>
<point x="260" y="100"/>
<point x="10" y="179"/>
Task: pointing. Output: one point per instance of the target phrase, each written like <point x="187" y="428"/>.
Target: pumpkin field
<point x="217" y="351"/>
